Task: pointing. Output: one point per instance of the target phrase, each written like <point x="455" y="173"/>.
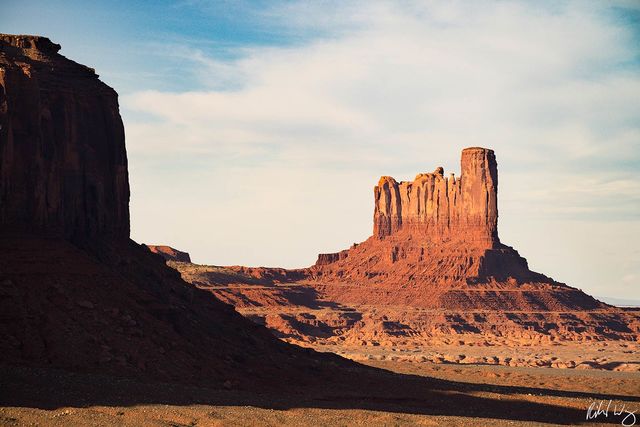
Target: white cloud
<point x="279" y="151"/>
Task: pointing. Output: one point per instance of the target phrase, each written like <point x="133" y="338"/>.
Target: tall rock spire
<point x="478" y="207"/>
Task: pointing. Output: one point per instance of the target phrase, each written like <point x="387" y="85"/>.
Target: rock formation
<point x="434" y="230"/>
<point x="169" y="253"/>
<point x="63" y="165"/>
<point x="434" y="267"/>
<point x="75" y="291"/>
<point x="442" y="208"/>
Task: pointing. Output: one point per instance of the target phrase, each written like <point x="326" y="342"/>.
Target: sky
<point x="256" y="130"/>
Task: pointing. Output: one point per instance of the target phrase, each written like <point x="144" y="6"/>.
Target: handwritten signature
<point x="608" y="407"/>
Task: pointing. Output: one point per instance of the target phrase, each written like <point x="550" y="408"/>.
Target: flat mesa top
<point x="30" y="42"/>
<point x="477" y="149"/>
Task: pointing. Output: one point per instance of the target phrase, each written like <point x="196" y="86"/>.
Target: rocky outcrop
<point x="169" y="253"/>
<point x="324" y="259"/>
<point x="339" y="315"/>
<point x="75" y="292"/>
<point x="435" y="245"/>
<point x="434" y="230"/>
<point x="434" y="267"/>
<point x="440" y="208"/>
<point x="63" y="164"/>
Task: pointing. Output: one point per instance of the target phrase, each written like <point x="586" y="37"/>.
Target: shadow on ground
<point x="368" y="389"/>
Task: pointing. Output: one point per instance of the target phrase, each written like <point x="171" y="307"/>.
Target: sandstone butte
<point x="75" y="291"/>
<point x="435" y="240"/>
<point x="434" y="270"/>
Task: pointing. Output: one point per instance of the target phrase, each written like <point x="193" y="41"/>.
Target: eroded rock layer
<point x="433" y="269"/>
<point x="436" y="233"/>
<point x="442" y="208"/>
<point x="63" y="164"/>
<point x="75" y="291"/>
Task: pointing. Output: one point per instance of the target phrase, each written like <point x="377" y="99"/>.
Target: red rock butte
<point x="439" y="208"/>
<point x="434" y="268"/>
<point x="436" y="230"/>
<point x="64" y="163"/>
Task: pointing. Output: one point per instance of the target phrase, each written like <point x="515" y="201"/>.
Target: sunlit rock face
<point x="433" y="269"/>
<point x="434" y="230"/>
<point x="439" y="208"/>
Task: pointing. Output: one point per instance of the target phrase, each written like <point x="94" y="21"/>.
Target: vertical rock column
<point x="478" y="207"/>
<point x="387" y="215"/>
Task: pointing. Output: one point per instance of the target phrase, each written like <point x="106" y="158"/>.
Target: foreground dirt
<point x="400" y="393"/>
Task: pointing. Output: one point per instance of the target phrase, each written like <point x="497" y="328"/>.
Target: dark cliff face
<point x="63" y="164"/>
<point x="77" y="293"/>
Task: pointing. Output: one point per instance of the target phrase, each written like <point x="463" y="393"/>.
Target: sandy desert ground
<point x="401" y="392"/>
<point x="616" y="356"/>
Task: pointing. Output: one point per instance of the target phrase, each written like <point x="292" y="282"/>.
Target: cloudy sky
<point x="257" y="130"/>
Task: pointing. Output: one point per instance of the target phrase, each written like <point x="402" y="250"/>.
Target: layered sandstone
<point x="434" y="230"/>
<point x="433" y="269"/>
<point x="63" y="164"/>
<point x="435" y="246"/>
<point x="75" y="291"/>
<point x="439" y="208"/>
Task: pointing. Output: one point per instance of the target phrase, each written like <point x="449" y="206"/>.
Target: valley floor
<point x="397" y="393"/>
<point x="619" y="356"/>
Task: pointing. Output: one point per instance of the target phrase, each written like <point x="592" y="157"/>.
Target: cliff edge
<point x="75" y="292"/>
<point x="63" y="163"/>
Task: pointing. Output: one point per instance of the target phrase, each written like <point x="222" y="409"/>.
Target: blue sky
<point x="256" y="130"/>
<point x="128" y="40"/>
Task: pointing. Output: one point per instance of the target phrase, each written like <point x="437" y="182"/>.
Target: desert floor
<point x="398" y="392"/>
<point x="621" y="356"/>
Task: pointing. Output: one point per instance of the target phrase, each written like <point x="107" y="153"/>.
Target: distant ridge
<point x="620" y="302"/>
